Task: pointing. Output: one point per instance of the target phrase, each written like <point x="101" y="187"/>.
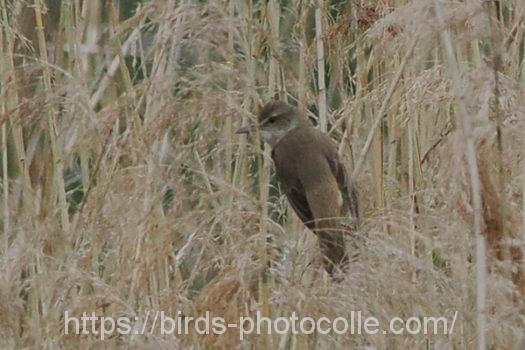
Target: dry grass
<point x="125" y="190"/>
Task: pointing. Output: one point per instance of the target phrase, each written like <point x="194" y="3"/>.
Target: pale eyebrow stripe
<point x="273" y="115"/>
<point x="265" y="120"/>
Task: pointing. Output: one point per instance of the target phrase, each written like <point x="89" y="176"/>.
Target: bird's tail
<point x="333" y="248"/>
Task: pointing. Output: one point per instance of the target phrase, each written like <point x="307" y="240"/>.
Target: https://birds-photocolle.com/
<point x="312" y="176"/>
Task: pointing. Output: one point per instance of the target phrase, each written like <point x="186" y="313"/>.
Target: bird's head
<point x="275" y="120"/>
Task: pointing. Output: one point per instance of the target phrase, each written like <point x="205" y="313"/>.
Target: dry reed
<point x="125" y="189"/>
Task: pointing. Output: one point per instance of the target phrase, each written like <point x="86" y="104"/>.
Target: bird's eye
<point x="271" y="120"/>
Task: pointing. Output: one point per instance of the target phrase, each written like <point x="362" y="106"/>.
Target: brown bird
<point x="312" y="175"/>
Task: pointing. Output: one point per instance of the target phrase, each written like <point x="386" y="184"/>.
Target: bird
<point x="312" y="176"/>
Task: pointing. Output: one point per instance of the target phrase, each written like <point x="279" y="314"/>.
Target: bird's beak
<point x="245" y="130"/>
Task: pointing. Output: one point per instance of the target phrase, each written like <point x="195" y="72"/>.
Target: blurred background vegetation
<point x="124" y="188"/>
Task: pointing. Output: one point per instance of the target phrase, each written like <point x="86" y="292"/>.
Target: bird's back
<point x="307" y="157"/>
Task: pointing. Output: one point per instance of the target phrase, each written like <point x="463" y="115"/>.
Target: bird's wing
<point x="348" y="191"/>
<point x="326" y="203"/>
<point x="292" y="187"/>
<point x="321" y="190"/>
<point x="299" y="203"/>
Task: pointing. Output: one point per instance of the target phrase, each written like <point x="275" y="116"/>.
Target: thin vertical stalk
<point x="320" y="65"/>
<point x="411" y="192"/>
<point x="522" y="88"/>
<point x="523" y="201"/>
<point x="303" y="9"/>
<point x="57" y="159"/>
<point x="124" y="72"/>
<point x="378" y="152"/>
<point x="112" y="69"/>
<point x="380" y="113"/>
<point x="228" y="127"/>
<point x="273" y="85"/>
<point x="475" y="186"/>
<point x="81" y="69"/>
<point x="247" y="11"/>
<point x="5" y="175"/>
<point x="13" y="100"/>
<point x="302" y="81"/>
<point x="5" y="184"/>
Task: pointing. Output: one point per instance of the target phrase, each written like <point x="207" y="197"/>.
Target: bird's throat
<point x="273" y="137"/>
